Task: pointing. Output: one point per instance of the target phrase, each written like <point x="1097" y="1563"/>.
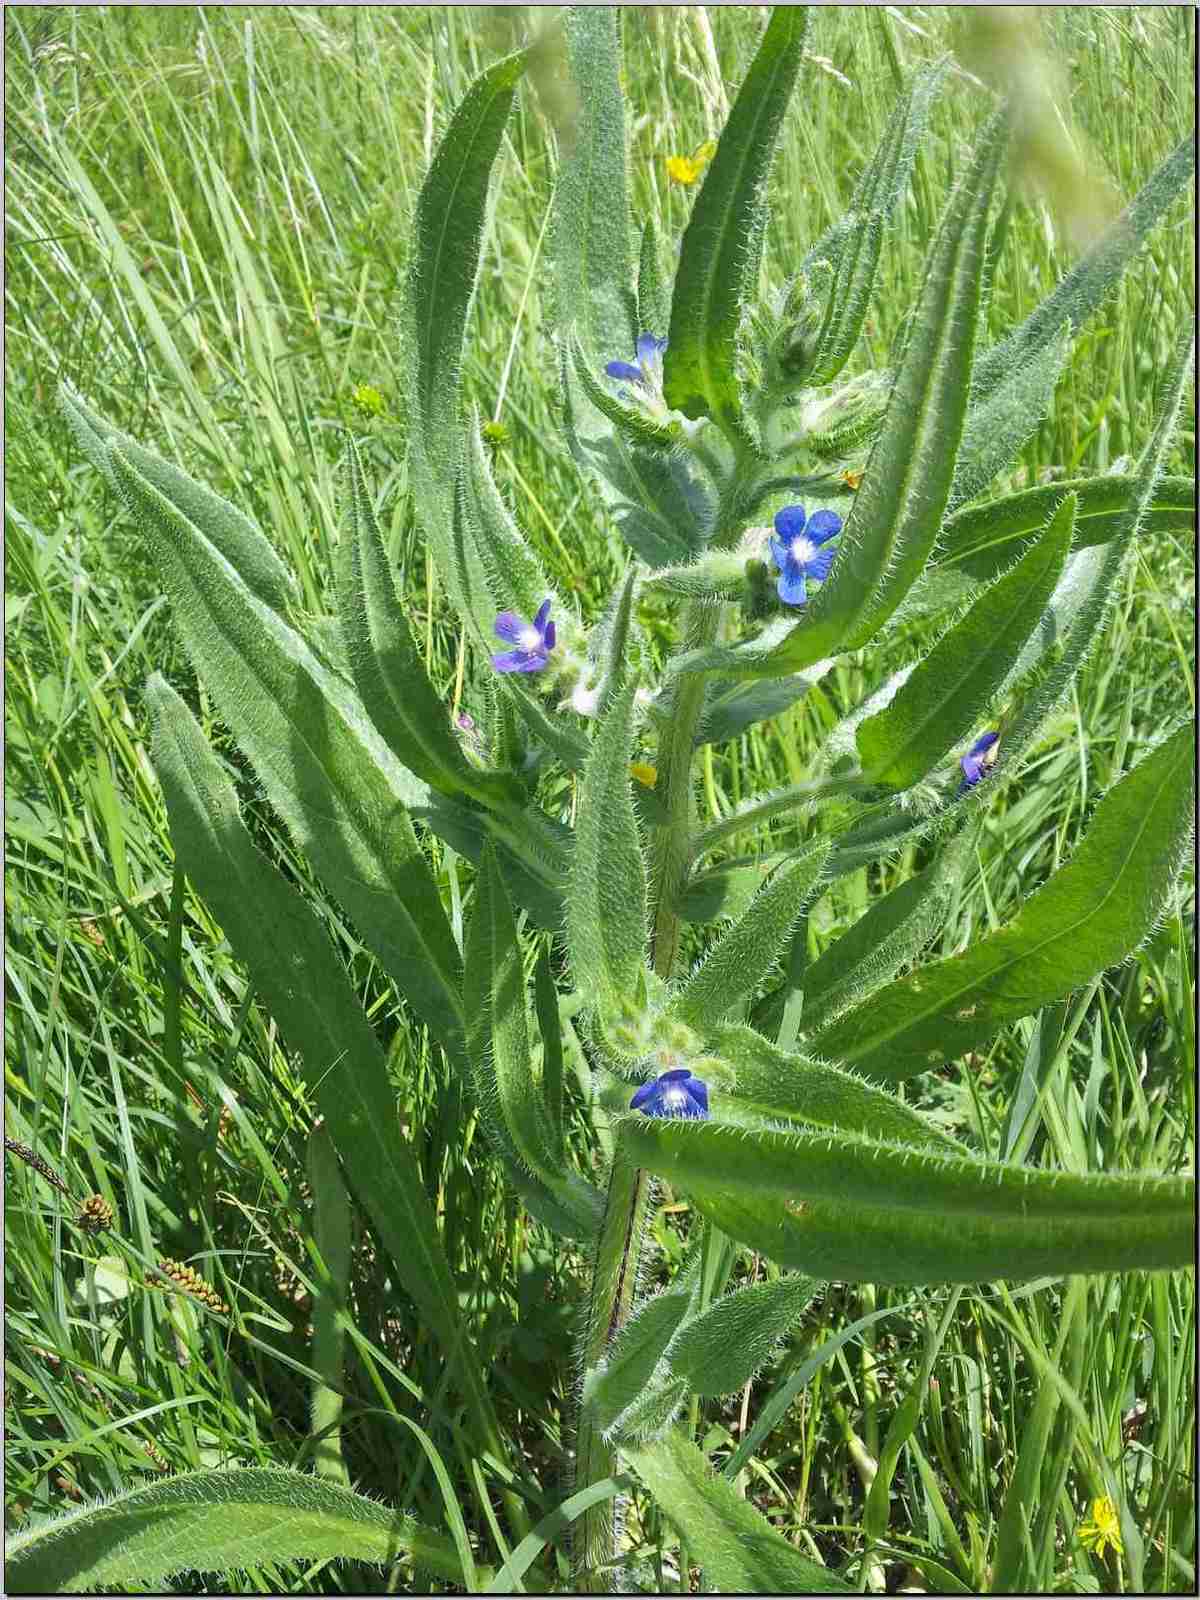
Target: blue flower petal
<point x="543" y="611"/>
<point x="698" y="1090"/>
<point x="820" y="564"/>
<point x="793" y="590"/>
<point x="550" y="636"/>
<point x="511" y="661"/>
<point x="510" y="626"/>
<point x="823" y="525"/>
<point x="645" y="1093"/>
<point x="624" y="369"/>
<point x="649" y="348"/>
<point x="985" y="742"/>
<point x="779" y="553"/>
<point x="789" y="523"/>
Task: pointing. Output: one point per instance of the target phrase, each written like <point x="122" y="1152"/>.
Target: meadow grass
<point x="207" y="230"/>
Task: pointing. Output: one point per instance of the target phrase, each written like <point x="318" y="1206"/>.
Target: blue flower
<point x="534" y="641"/>
<point x="796" y="550"/>
<point x="648" y="371"/>
<point x="979" y="759"/>
<point x="673" y="1094"/>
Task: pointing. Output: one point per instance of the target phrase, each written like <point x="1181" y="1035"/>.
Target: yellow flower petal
<point x="644" y="773"/>
<point x="683" y="169"/>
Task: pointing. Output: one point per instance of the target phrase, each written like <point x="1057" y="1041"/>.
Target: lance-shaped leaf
<point x="611" y="639"/>
<point x="938" y="705"/>
<point x="509" y="1097"/>
<point x="844" y="1206"/>
<point x="1091" y="280"/>
<point x="743" y="955"/>
<point x="727" y="890"/>
<point x="769" y="1082"/>
<point x="629" y="420"/>
<point x="606" y="895"/>
<point x="719" y="1350"/>
<point x="211" y="1522"/>
<point x="1087" y="917"/>
<point x="1095" y="572"/>
<point x="999" y="424"/>
<point x="590" y="239"/>
<point x="718" y="259"/>
<point x="739" y="1550"/>
<point x="730" y="709"/>
<point x="983" y="540"/>
<point x="660" y="508"/>
<point x="326" y="771"/>
<point x="516" y="578"/>
<point x="883" y="181"/>
<point x="388" y="671"/>
<point x="277" y="934"/>
<point x="654" y="303"/>
<point x="628" y="1368"/>
<point x="893" y="523"/>
<point x="447" y="239"/>
<point x="891" y="933"/>
<point x="225" y="527"/>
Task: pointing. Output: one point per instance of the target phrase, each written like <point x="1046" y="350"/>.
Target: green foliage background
<point x="208" y="222"/>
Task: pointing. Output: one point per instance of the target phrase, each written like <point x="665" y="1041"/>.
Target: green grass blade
<point x="718" y="259"/>
<point x="332" y="1234"/>
<point x="1092" y="279"/>
<point x="1087" y="917"/>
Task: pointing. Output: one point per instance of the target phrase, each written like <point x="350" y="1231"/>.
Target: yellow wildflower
<point x="368" y="400"/>
<point x="686" y="169"/>
<point x="1102" y="1529"/>
<point x="644" y="773"/>
<point x="852" y="479"/>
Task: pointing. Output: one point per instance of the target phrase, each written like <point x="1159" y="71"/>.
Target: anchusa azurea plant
<point x="785" y="512"/>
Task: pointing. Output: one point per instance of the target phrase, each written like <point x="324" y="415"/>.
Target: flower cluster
<point x="647" y="373"/>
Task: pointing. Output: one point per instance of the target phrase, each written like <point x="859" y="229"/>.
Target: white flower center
<point x="802" y="550"/>
<point x="675" y="1098"/>
<point x="529" y="639"/>
<point x="584" y="700"/>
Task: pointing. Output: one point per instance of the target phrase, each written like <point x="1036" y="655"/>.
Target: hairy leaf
<point x="875" y="196"/>
<point x="388" y="671"/>
<point x="628" y="1367"/>
<point x="324" y="768"/>
<point x="606" y="898"/>
<point x="719" y="256"/>
<point x="443" y="272"/>
<point x="719" y="1350"/>
<point x="937" y="707"/>
<point x="1089" y="916"/>
<point x="769" y="1082"/>
<point x="1092" y="278"/>
<point x="216" y="1522"/>
<point x="273" y="929"/>
<point x="740" y="1551"/>
<point x="509" y="1097"/>
<point x="742" y="956"/>
<point x="999" y="424"/>
<point x="225" y="527"/>
<point x="591" y="236"/>
<point x="984" y="540"/>
<point x="845" y="1206"/>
